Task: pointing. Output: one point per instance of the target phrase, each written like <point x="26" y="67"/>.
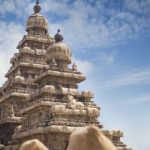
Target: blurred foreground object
<point x="89" y="138"/>
<point x="33" y="145"/>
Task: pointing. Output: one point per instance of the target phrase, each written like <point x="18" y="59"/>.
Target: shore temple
<point x="40" y="98"/>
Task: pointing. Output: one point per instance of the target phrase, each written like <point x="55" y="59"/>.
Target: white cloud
<point x="85" y="25"/>
<point x="84" y="66"/>
<point x="137" y="6"/>
<point x="105" y="58"/>
<point x="7" y="6"/>
<point x="16" y="7"/>
<point x="138" y="99"/>
<point x="137" y="77"/>
<point x="3" y="67"/>
<point x="10" y="35"/>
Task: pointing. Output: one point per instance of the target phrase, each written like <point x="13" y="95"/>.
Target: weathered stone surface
<point x="40" y="99"/>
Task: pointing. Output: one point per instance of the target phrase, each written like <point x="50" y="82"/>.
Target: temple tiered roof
<point x="40" y="98"/>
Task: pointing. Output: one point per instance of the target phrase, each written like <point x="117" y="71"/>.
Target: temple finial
<point x="37" y="2"/>
<point x="58" y="37"/>
<point x="37" y="7"/>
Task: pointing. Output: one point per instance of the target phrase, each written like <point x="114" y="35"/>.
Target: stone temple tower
<point x="40" y="98"/>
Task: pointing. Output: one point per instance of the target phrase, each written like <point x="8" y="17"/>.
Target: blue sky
<point x="110" y="42"/>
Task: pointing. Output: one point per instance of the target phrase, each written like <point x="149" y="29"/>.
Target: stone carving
<point x="38" y="21"/>
<point x="87" y="94"/>
<point x="117" y="133"/>
<point x="53" y="64"/>
<point x="48" y="89"/>
<point x="40" y="99"/>
<point x="73" y="104"/>
<point x="74" y="67"/>
<point x="10" y="110"/>
<point x="93" y="111"/>
<point x="18" y="78"/>
<point x="58" y="109"/>
<point x="16" y="131"/>
<point x="73" y="92"/>
<point x="29" y="79"/>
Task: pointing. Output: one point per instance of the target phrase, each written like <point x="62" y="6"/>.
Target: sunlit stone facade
<point x="40" y="98"/>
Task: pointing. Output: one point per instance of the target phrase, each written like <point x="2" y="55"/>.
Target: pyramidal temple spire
<point x="37" y="23"/>
<point x="37" y="7"/>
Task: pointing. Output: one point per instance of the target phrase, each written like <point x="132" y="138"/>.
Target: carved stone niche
<point x="55" y="138"/>
<point x="52" y="64"/>
<point x="39" y="118"/>
<point x="7" y="111"/>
